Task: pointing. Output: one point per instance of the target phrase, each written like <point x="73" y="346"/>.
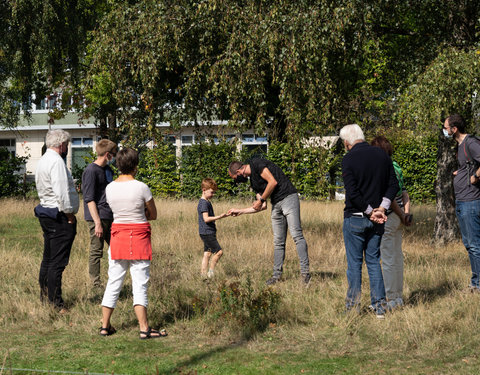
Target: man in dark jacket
<point x="370" y="187"/>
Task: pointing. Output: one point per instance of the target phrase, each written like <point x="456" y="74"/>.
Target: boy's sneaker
<point x="210" y="274"/>
<point x="306" y="277"/>
<point x="273" y="280"/>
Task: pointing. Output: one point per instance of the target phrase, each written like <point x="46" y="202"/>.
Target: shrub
<point x="248" y="309"/>
<point x="11" y="180"/>
<point x="158" y="169"/>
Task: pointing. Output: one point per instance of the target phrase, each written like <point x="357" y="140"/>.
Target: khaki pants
<point x="392" y="257"/>
<point x="96" y="249"/>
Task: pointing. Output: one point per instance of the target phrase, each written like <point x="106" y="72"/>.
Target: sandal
<point x="102" y="331"/>
<point x="156" y="334"/>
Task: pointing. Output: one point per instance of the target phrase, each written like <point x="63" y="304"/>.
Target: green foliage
<point x="11" y="181"/>
<point x="449" y="85"/>
<point x="248" y="309"/>
<point x="208" y="160"/>
<point x="307" y="167"/>
<point x="417" y="156"/>
<point x="158" y="169"/>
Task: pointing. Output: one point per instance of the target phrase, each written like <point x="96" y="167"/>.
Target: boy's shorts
<point x="210" y="243"/>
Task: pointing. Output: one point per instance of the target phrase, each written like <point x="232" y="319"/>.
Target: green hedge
<point x="417" y="156"/>
<point x="315" y="171"/>
<point x="11" y="181"/>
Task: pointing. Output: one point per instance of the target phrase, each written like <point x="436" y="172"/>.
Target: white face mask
<point x="445" y="133"/>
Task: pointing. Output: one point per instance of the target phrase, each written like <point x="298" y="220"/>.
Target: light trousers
<point x="392" y="257"/>
<point x="117" y="270"/>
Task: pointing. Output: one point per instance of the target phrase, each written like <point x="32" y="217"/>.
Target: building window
<point x="9" y="144"/>
<point x="187" y="140"/>
<point x="247" y="138"/>
<point x="82" y="142"/>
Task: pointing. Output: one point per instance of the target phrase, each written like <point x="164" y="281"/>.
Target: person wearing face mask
<point x="56" y="213"/>
<point x="97" y="212"/>
<point x="269" y="181"/>
<point x="466" y="185"/>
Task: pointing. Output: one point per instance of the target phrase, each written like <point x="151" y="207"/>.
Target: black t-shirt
<point x="203" y="227"/>
<point x="284" y="186"/>
<point x="94" y="182"/>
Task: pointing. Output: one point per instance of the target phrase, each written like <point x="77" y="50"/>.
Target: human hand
<point x="233" y="212"/>
<point x="378" y="216"/>
<point x="408" y="220"/>
<point x="257" y="205"/>
<point x="474" y="179"/>
<point x="98" y="230"/>
<point x="71" y="218"/>
<point x="455" y="172"/>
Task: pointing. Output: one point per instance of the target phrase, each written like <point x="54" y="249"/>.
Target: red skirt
<point x="131" y="241"/>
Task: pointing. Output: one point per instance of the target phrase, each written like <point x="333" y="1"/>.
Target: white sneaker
<point x="210" y="274"/>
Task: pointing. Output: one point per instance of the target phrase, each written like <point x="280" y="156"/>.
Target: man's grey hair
<point x="352" y="133"/>
<point x="56" y="137"/>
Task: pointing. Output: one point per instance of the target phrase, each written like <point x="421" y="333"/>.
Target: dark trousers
<point x="58" y="238"/>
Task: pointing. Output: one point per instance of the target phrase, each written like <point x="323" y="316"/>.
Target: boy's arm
<point x="209" y="219"/>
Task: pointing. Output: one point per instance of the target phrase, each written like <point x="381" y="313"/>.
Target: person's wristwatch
<point x="262" y="200"/>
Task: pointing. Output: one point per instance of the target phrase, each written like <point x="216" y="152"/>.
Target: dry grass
<point x="438" y="324"/>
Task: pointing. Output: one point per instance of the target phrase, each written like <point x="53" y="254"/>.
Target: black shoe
<point x="273" y="280"/>
<point x="306" y="277"/>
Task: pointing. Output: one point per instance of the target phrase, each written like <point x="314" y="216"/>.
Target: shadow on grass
<point x="324" y="275"/>
<point x="431" y="294"/>
<point x="183" y="366"/>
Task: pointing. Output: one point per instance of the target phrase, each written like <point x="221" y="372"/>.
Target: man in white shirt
<point x="56" y="212"/>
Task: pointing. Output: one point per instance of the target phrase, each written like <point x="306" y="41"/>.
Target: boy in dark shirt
<point x="207" y="228"/>
<point x="98" y="214"/>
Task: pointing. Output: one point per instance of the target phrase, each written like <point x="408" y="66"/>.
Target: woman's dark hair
<point x="383" y="143"/>
<point x="127" y="160"/>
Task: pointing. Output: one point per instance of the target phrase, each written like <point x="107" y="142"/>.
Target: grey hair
<point x="56" y="137"/>
<point x="352" y="133"/>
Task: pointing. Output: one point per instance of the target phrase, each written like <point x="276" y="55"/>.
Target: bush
<point x="11" y="181"/>
<point x="417" y="156"/>
<point x="247" y="309"/>
<point x="158" y="169"/>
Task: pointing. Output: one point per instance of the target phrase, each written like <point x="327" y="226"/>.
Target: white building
<point x="28" y="139"/>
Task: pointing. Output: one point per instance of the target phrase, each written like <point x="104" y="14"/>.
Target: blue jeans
<point x="468" y="214"/>
<point x="286" y="214"/>
<point x="362" y="239"/>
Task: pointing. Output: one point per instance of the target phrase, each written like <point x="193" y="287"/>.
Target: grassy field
<point x="306" y="333"/>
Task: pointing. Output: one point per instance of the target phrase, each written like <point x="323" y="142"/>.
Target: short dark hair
<point x="127" y="160"/>
<point x="458" y="121"/>
<point x="234" y="166"/>
<point x="383" y="143"/>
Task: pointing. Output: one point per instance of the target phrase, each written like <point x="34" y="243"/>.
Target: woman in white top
<point x="132" y="205"/>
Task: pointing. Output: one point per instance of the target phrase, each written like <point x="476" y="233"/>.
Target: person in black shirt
<point x="370" y="186"/>
<point x="269" y="181"/>
<point x="207" y="228"/>
<point x="98" y="214"/>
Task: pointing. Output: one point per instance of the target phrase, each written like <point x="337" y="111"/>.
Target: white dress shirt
<point x="54" y="183"/>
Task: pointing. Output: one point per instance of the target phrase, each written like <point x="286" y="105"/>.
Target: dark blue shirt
<point x="368" y="176"/>
<point x="94" y="182"/>
<point x="203" y="227"/>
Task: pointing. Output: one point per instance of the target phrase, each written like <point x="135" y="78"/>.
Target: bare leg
<point x="216" y="257"/>
<point x="106" y="315"/>
<point x="205" y="260"/>
<point x="141" y="313"/>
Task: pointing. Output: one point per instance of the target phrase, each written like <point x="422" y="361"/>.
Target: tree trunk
<point x="446" y="226"/>
<point x="112" y="127"/>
